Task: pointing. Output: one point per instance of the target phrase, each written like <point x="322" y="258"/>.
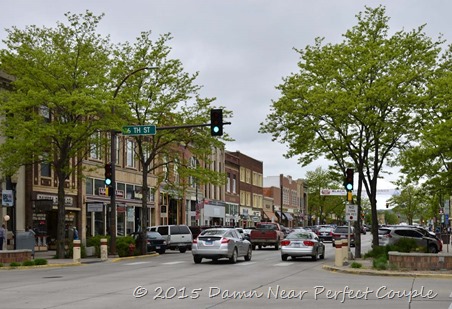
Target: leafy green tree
<point x="322" y="206"/>
<point x="429" y="156"/>
<point x="356" y="102"/>
<point x="410" y="203"/>
<point x="390" y="217"/>
<point x="61" y="99"/>
<point x="161" y="93"/>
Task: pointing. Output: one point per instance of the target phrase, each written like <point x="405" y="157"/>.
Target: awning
<point x="271" y="215"/>
<point x="288" y="216"/>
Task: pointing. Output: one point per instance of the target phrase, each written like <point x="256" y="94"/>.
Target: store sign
<point x="67" y="200"/>
<point x="7" y="198"/>
<point x="94" y="207"/>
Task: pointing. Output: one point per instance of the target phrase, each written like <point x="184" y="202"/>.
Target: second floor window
<point x="130" y="154"/>
<point x="45" y="169"/>
<point x="95" y="150"/>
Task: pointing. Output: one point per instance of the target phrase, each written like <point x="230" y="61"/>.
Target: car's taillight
<point x="195" y="241"/>
<point x="334" y="234"/>
<point x="331" y="233"/>
<point x="308" y="243"/>
<point x="224" y="240"/>
<point x="285" y="242"/>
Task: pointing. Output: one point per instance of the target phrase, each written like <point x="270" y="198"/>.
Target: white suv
<point x="178" y="237"/>
<point x="391" y="235"/>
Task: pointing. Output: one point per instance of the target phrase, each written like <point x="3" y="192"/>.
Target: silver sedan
<point x="218" y="243"/>
<point x="298" y="244"/>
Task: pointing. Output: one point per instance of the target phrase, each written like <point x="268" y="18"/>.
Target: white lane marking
<point x="284" y="264"/>
<point x="136" y="263"/>
<point x="245" y="264"/>
<point x="173" y="263"/>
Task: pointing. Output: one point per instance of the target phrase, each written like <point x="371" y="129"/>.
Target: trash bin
<point x="26" y="240"/>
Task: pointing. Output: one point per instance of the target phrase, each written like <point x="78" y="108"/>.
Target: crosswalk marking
<point x="283" y="264"/>
<point x="136" y="263"/>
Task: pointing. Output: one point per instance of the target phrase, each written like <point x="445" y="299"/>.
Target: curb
<point x="114" y="260"/>
<point x="372" y="272"/>
<point x="50" y="265"/>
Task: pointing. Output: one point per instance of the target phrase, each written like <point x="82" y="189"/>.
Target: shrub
<point x="95" y="242"/>
<point x="406" y="245"/>
<point x="14" y="264"/>
<point x="122" y="245"/>
<point x="28" y="263"/>
<point x="376" y="252"/>
<point x="356" y="265"/>
<point x="380" y="263"/>
<point x="1" y="264"/>
<point x="40" y="262"/>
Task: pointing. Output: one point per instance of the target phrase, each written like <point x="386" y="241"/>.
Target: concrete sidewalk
<point x="50" y="256"/>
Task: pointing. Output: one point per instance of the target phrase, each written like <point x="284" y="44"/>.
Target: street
<point x="172" y="280"/>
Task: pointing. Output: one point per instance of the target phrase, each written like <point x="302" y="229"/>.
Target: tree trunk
<point x="61" y="227"/>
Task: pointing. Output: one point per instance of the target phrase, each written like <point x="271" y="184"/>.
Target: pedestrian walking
<point x="2" y="235"/>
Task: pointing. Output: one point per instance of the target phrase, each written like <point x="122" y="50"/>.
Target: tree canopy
<point x="357" y="102"/>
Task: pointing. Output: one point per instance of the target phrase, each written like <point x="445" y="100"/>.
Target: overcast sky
<point x="241" y="48"/>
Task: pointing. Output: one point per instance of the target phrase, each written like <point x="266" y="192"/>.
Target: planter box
<point x="421" y="261"/>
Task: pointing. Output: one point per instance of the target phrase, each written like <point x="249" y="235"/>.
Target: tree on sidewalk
<point x="168" y="97"/>
<point x="356" y="102"/>
<point x="60" y="101"/>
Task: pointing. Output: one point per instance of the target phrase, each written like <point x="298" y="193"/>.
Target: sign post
<point x="351" y="214"/>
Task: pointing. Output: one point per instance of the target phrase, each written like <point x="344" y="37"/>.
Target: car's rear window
<point x="213" y="232"/>
<point x="298" y="235"/>
<point x="383" y="231"/>
<point x="341" y="230"/>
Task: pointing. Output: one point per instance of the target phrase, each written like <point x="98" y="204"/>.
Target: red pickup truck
<point x="266" y="234"/>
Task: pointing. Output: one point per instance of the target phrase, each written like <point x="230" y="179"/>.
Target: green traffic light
<point x="108" y="181"/>
<point x="349" y="187"/>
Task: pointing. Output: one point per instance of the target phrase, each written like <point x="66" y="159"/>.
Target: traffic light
<point x="216" y="122"/>
<point x="108" y="174"/>
<point x="109" y="190"/>
<point x="349" y="179"/>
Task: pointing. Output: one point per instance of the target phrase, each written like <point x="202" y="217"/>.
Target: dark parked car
<point x="155" y="242"/>
<point x="326" y="233"/>
<point x="341" y="232"/>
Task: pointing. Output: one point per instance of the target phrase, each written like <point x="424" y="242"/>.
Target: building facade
<point x="250" y="189"/>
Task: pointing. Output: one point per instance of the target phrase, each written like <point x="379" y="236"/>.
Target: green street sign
<point x="139" y="130"/>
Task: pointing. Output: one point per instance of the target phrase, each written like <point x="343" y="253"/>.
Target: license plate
<point x="296" y="245"/>
<point x="209" y="242"/>
<point x="157" y="247"/>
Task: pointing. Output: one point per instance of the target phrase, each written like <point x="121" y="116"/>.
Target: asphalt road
<point x="172" y="280"/>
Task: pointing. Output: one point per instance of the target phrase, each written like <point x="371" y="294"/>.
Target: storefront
<point x="128" y="210"/>
<point x="213" y="213"/>
<point x="45" y="217"/>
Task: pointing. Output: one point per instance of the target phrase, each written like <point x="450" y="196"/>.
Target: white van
<point x="178" y="237"/>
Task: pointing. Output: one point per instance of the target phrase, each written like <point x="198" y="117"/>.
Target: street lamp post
<point x="113" y="135"/>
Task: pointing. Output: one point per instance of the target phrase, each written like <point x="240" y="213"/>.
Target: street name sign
<point x="139" y="130"/>
<point x="351" y="212"/>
